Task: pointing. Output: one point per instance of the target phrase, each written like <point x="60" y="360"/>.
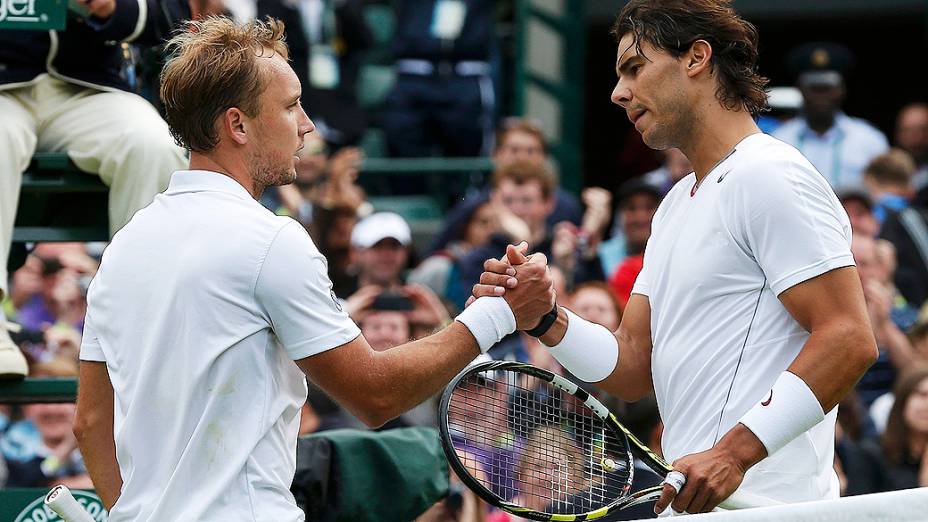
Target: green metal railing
<point x="38" y="389"/>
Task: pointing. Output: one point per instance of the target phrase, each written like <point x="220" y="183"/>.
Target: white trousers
<point x="116" y="135"/>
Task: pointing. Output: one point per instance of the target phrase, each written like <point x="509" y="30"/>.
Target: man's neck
<point x="715" y="136"/>
<point x="820" y="123"/>
<point x="218" y="162"/>
<point x="366" y="280"/>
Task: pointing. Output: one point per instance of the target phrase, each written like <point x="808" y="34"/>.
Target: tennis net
<point x="897" y="506"/>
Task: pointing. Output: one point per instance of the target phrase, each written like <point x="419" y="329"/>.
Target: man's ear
<point x="698" y="59"/>
<point x="235" y="125"/>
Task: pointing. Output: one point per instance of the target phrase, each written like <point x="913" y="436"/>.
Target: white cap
<point x="784" y="98"/>
<point x="378" y="226"/>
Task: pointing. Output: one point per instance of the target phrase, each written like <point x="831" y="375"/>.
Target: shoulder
<point x="287" y="236"/>
<point x="862" y="128"/>
<point x="770" y="173"/>
<point x="766" y="161"/>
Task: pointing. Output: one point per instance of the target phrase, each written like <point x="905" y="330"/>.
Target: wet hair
<point x="674" y="25"/>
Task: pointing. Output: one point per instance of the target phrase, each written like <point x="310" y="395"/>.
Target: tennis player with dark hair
<point x="189" y="398"/>
<point x="747" y="320"/>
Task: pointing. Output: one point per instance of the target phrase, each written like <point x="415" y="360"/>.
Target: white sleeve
<point x="296" y="295"/>
<point x="641" y="285"/>
<point x="789" y="219"/>
<point x="642" y="282"/>
<point x="90" y="343"/>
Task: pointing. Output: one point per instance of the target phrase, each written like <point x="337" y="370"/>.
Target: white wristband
<point x="788" y="410"/>
<point x="489" y="319"/>
<point x="588" y="350"/>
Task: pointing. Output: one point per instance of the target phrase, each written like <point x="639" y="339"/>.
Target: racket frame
<point x="637" y="449"/>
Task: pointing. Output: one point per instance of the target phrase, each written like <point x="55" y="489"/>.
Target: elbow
<point x="376" y="413"/>
<point x="862" y="352"/>
<point x="81" y="428"/>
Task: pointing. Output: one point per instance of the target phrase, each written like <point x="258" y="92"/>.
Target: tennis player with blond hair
<point x="208" y="311"/>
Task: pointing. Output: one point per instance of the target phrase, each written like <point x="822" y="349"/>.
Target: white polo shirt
<point x="200" y="306"/>
<point x="762" y="221"/>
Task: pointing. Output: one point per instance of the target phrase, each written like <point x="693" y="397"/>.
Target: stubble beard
<point x="267" y="171"/>
<point x="677" y="125"/>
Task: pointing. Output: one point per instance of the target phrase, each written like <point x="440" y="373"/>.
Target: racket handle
<point x="61" y="501"/>
<point x="745" y="500"/>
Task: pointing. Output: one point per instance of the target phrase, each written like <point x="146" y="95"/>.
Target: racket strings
<point x="535" y="445"/>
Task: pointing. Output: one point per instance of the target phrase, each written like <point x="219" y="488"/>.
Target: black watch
<point x="546" y="321"/>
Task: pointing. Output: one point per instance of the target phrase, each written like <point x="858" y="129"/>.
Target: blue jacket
<point x="88" y="51"/>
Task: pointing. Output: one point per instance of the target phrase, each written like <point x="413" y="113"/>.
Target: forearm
<point x="93" y="427"/>
<point x="99" y="452"/>
<point x="741" y="443"/>
<point x="404" y="376"/>
<point x="630" y="380"/>
<point x="833" y="360"/>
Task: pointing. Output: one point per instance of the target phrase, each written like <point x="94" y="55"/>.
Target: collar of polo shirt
<point x="204" y="180"/>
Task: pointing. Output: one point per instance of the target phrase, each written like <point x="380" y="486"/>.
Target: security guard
<point x="838" y="145"/>
<point x="443" y="99"/>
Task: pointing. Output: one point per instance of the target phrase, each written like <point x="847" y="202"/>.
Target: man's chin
<point x="286" y="179"/>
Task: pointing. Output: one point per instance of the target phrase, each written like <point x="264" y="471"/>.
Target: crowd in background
<point x="397" y="285"/>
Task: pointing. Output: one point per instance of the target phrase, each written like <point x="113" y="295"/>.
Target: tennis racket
<point x="538" y="446"/>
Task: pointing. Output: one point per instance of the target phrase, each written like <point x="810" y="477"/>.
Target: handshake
<point x="516" y="292"/>
<point x="524" y="282"/>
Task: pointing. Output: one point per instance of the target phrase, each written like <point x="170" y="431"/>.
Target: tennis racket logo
<point x="769" y="399"/>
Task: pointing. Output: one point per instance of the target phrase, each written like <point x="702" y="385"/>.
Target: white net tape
<point x="897" y="506"/>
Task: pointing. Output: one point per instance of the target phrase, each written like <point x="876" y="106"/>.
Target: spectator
<point x="912" y="137"/>
<point x="889" y="178"/>
<point x="380" y="246"/>
<point x="904" y="443"/>
<point x="890" y="316"/>
<point x="443" y="100"/>
<point x="47" y="300"/>
<point x="918" y="334"/>
<point x="405" y="313"/>
<point x="594" y="301"/>
<point x="439" y="271"/>
<point x="41" y="449"/>
<point x="61" y="300"/>
<point x="525" y="189"/>
<point x="523" y="139"/>
<point x="858" y="463"/>
<point x="517" y="139"/>
<point x="838" y="145"/>
<point x="327" y="42"/>
<point x="623" y="254"/>
<point x="918" y="338"/>
<point x="571" y="244"/>
<point x="64" y="91"/>
<point x="859" y="207"/>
